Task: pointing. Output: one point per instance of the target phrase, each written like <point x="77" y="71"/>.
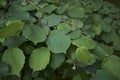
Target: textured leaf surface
<point x="82" y="54"/>
<point x="76" y="12"/>
<point x="84" y="41"/>
<point x="58" y="41"/>
<point x="112" y="65"/>
<point x="11" y="28"/>
<point x="15" y="58"/>
<point x="53" y="20"/>
<point x="39" y="59"/>
<point x="56" y="60"/>
<point x="34" y="33"/>
<point x="103" y="51"/>
<point x="103" y="75"/>
<point x="64" y="26"/>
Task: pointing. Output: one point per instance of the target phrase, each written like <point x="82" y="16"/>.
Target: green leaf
<point x="97" y="29"/>
<point x="103" y="51"/>
<point x="75" y="34"/>
<point x="103" y="75"/>
<point x="56" y="60"/>
<point x="62" y="9"/>
<point x="65" y="27"/>
<point x="39" y="59"/>
<point x="58" y="41"/>
<point x="82" y="55"/>
<point x="3" y="3"/>
<point x="11" y="28"/>
<point x="15" y="58"/>
<point x="112" y="65"/>
<point x="84" y="41"/>
<point x="77" y="77"/>
<point x="48" y="9"/>
<point x="116" y="44"/>
<point x="53" y="20"/>
<point x="14" y="41"/>
<point x="76" y="12"/>
<point x="4" y="69"/>
<point x="34" y="33"/>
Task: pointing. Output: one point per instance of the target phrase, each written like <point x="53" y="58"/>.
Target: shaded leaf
<point x="112" y="65"/>
<point x="56" y="60"/>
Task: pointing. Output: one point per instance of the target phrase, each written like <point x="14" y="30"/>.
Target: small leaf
<point x="65" y="27"/>
<point x="58" y="41"/>
<point x="82" y="55"/>
<point x="77" y="77"/>
<point x="15" y="58"/>
<point x="39" y="59"/>
<point x="76" y="12"/>
<point x="11" y="28"/>
<point x="97" y="29"/>
<point x="112" y="65"/>
<point x="56" y="60"/>
<point x="75" y="34"/>
<point x="84" y="41"/>
<point x="48" y="9"/>
<point x="53" y="20"/>
<point x="34" y="33"/>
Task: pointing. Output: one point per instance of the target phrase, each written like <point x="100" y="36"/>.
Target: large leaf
<point x="58" y="41"/>
<point x="15" y="58"/>
<point x="84" y="41"/>
<point x="11" y="28"/>
<point x="34" y="33"/>
<point x="39" y="59"/>
<point x="103" y="75"/>
<point x="112" y="65"/>
<point x="82" y="54"/>
<point x="56" y="60"/>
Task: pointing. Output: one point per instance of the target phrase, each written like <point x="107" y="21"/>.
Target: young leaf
<point x="58" y="41"/>
<point x="34" y="33"/>
<point x="112" y="65"/>
<point x="15" y="58"/>
<point x="39" y="59"/>
<point x="82" y="55"/>
<point x="11" y="28"/>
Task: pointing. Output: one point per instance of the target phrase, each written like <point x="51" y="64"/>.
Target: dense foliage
<point x="59" y="40"/>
